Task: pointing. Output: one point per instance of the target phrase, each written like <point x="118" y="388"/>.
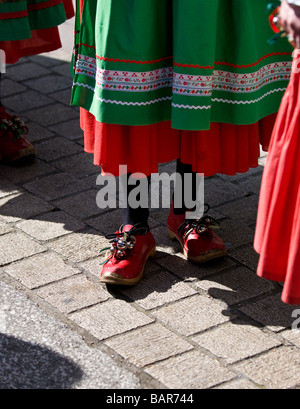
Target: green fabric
<point x="19" y="28"/>
<point x="13" y="28"/>
<point x="194" y="62"/>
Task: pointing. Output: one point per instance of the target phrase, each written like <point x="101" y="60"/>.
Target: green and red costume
<point x="166" y="79"/>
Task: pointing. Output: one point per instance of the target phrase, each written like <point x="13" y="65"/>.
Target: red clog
<point x="14" y="147"/>
<point x="130" y="249"/>
<point x="198" y="240"/>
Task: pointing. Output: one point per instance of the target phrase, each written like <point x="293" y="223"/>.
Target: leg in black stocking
<point x="197" y="237"/>
<point x="189" y="187"/>
<point x="132" y="245"/>
<point x="131" y="215"/>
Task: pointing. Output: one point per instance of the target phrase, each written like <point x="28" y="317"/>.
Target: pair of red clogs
<point x="131" y="247"/>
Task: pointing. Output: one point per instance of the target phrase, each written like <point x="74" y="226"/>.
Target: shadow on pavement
<point x="24" y="365"/>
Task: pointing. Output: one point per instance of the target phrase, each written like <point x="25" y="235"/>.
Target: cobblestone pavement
<point x="184" y="326"/>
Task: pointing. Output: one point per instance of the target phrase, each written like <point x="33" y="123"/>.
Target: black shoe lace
<point x="123" y="242"/>
<point x="200" y="226"/>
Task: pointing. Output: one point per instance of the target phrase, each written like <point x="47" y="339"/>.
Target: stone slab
<point x="15" y="246"/>
<point x="192" y="315"/>
<point x="192" y="370"/>
<point x="40" y="270"/>
<point x="73" y="293"/>
<point x="147" y="345"/>
<point x="110" y="318"/>
<point x="235" y="341"/>
<point x="50" y="225"/>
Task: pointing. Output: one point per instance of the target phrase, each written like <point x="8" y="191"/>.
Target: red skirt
<point x="277" y="238"/>
<point x="41" y="41"/>
<point x="225" y="148"/>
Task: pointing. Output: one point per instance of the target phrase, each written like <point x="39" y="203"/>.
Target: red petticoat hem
<point x="225" y="148"/>
<point x="41" y="41"/>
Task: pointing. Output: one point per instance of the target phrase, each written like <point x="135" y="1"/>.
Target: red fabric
<point x="277" y="237"/>
<point x="14" y="14"/>
<point x="46" y="4"/>
<point x="41" y="41"/>
<point x="225" y="148"/>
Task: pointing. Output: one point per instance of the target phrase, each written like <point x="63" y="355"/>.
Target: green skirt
<point x="193" y="62"/>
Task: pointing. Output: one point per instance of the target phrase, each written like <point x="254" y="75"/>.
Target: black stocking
<point x="183" y="169"/>
<point x="131" y="215"/>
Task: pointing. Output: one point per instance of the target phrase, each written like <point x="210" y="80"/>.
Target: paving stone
<point x="46" y="59"/>
<point x="25" y="173"/>
<point x="15" y="246"/>
<point x="240" y="176"/>
<point x="25" y="71"/>
<point x="148" y="345"/>
<point x="63" y="96"/>
<point x="49" y="83"/>
<point x="25" y="101"/>
<point x="192" y="315"/>
<point x="80" y="246"/>
<point x="107" y="222"/>
<point x="9" y="87"/>
<point x="91" y="180"/>
<point x="246" y="255"/>
<point x="235" y="285"/>
<point x="158" y="288"/>
<point x="6" y="187"/>
<point x="235" y="341"/>
<point x="277" y="369"/>
<point x="80" y="205"/>
<point x="217" y="192"/>
<point x="80" y="165"/>
<point x="52" y="114"/>
<point x="73" y="293"/>
<point x="235" y="234"/>
<point x="251" y="184"/>
<point x="238" y="384"/>
<point x="21" y="206"/>
<point x="50" y="225"/>
<point x="271" y="312"/>
<point x="37" y="133"/>
<point x="178" y="265"/>
<point x="242" y="210"/>
<point x="169" y="167"/>
<point x="160" y="215"/>
<point x="56" y="148"/>
<point x="4" y="228"/>
<point x="40" y="270"/>
<point x="164" y="246"/>
<point x="69" y="129"/>
<point x="191" y="370"/>
<point x="55" y="186"/>
<point x="293" y="336"/>
<point x="110" y="318"/>
<point x="92" y="266"/>
<point x="63" y="69"/>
